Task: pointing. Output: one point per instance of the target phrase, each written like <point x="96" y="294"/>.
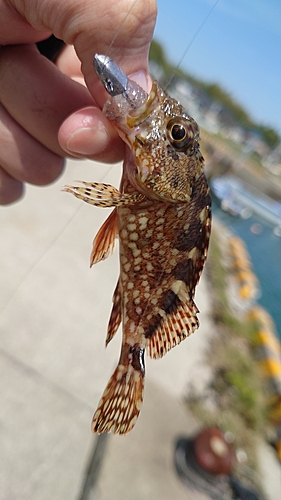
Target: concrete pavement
<point x="53" y="365"/>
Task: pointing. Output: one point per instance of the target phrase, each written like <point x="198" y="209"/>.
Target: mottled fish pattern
<point x="162" y="216"/>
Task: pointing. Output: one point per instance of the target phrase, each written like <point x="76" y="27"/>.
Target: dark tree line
<point x="215" y="92"/>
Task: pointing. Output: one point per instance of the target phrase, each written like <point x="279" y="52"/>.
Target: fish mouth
<point x="139" y="115"/>
<point x="139" y="170"/>
<point x="136" y="174"/>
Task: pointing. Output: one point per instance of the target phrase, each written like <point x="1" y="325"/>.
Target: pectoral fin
<point x="102" y="195"/>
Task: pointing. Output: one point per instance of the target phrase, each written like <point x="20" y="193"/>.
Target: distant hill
<point x="216" y="93"/>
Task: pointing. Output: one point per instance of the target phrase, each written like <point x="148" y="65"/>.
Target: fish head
<point x="164" y="141"/>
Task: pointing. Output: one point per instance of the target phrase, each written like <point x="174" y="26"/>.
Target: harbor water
<point x="264" y="248"/>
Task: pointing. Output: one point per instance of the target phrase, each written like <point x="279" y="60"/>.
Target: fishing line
<point x="29" y="271"/>
<point x="47" y="249"/>
<point x="193" y="40"/>
<point x="55" y="239"/>
<point x="120" y="27"/>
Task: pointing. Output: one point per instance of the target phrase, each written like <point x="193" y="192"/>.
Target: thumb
<point x="92" y="26"/>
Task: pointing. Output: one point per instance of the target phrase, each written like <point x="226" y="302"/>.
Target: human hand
<point x="45" y="114"/>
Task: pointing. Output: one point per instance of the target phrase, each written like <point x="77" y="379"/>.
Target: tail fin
<point x="121" y="401"/>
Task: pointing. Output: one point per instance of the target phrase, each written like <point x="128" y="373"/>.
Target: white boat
<point x="232" y="191"/>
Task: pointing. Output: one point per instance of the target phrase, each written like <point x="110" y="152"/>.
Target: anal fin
<point x="174" y="328"/>
<point x="104" y="242"/>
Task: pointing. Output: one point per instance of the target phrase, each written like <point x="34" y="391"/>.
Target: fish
<point x="162" y="217"/>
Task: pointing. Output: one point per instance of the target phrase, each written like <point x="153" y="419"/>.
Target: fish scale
<point x="162" y="216"/>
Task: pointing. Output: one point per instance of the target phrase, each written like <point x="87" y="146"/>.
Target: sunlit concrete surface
<point x="54" y="312"/>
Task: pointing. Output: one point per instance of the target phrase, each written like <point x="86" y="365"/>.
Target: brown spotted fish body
<point x="162" y="217"/>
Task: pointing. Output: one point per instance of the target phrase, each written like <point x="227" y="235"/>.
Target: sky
<point x="238" y="46"/>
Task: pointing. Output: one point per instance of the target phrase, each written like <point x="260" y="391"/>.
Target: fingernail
<point x="140" y="78"/>
<point x="88" y="141"/>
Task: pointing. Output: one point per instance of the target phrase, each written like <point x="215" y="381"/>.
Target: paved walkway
<point x="53" y="366"/>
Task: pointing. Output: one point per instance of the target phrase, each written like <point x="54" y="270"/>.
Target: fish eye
<point x="180" y="133"/>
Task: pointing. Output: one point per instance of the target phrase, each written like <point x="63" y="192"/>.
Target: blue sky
<point x="239" y="47"/>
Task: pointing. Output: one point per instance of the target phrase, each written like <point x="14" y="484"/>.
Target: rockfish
<point x="162" y="217"/>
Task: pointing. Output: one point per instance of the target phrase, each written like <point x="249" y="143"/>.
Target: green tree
<point x="269" y="135"/>
<point x="216" y="93"/>
<point x="157" y="54"/>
